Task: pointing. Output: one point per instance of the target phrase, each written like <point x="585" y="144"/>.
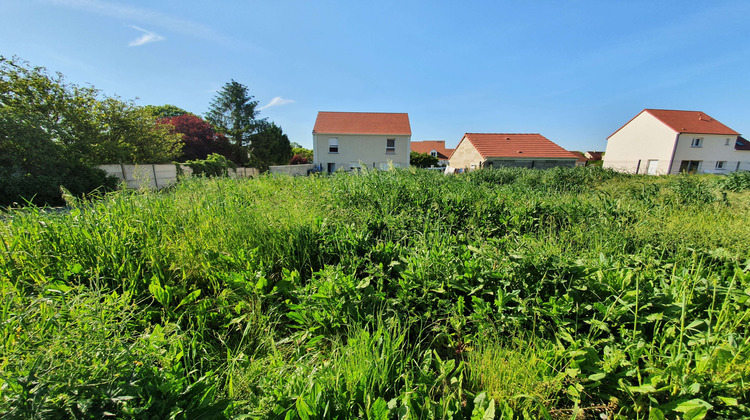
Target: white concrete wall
<point x="143" y="176"/>
<point x="356" y="148"/>
<point x="465" y="155"/>
<point x="713" y="148"/>
<point x="292" y="170"/>
<point x="151" y="176"/>
<point x="644" y="138"/>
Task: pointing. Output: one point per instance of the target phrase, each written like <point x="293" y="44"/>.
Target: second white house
<point x="662" y="141"/>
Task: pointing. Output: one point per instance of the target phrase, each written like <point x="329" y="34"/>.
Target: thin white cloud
<point x="277" y="101"/>
<point x="146" y="38"/>
<point x="145" y="16"/>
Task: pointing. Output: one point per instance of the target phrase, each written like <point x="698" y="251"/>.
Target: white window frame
<point x="726" y="143"/>
<point x="721" y="165"/>
<point x="390" y="150"/>
<point x="333" y="145"/>
<point x="697" y="142"/>
<point x="433" y="153"/>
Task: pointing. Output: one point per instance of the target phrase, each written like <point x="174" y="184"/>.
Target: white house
<point x="346" y="140"/>
<point x="660" y="141"/>
<point x="478" y="150"/>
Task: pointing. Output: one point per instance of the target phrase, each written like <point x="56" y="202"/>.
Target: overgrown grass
<point x="499" y="293"/>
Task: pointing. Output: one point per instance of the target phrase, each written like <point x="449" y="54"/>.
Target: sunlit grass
<point x="383" y="293"/>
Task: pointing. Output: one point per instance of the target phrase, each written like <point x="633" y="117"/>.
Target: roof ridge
<point x="675" y="110"/>
<point x="361" y="112"/>
<point x="511" y="134"/>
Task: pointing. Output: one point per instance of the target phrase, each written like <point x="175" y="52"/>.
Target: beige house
<point x="348" y="140"/>
<point x="660" y="141"/>
<point x="478" y="150"/>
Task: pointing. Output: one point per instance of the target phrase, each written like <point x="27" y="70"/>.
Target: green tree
<point x="234" y="113"/>
<point x="165" y="111"/>
<point x="269" y="146"/>
<point x="130" y="134"/>
<point x="54" y="133"/>
<point x="422" y="160"/>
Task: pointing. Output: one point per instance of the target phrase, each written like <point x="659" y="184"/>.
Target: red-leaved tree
<point x="199" y="139"/>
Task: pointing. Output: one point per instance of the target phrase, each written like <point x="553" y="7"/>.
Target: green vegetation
<point x="54" y="133"/>
<point x="422" y="160"/>
<point x="505" y="293"/>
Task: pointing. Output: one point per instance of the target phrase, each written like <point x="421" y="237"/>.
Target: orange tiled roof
<point x="491" y="145"/>
<point x="693" y="122"/>
<point x="428" y="146"/>
<point x="362" y="123"/>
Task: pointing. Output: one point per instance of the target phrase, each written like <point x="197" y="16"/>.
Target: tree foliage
<point x="198" y="137"/>
<point x="269" y="146"/>
<point x="126" y="133"/>
<point x="301" y="151"/>
<point x="298" y="160"/>
<point x="422" y="160"/>
<point x="165" y="111"/>
<point x="54" y="133"/>
<point x="233" y="112"/>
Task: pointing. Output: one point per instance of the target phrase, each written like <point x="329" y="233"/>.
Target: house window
<point x="721" y="164"/>
<point x="333" y="145"/>
<point x="331" y="167"/>
<point x="726" y="143"/>
<point x="689" y="166"/>
<point x="697" y="142"/>
<point x="390" y="147"/>
<point x="433" y="153"/>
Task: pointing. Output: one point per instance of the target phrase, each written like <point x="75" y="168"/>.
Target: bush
<point x="42" y="189"/>
<point x="213" y="165"/>
<point x="298" y="160"/>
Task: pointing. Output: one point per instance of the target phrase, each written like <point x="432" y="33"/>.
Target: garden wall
<point x="294" y="170"/>
<point x="158" y="176"/>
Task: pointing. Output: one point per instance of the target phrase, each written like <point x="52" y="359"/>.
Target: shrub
<point x="298" y="160"/>
<point x="42" y="189"/>
<point x="213" y="165"/>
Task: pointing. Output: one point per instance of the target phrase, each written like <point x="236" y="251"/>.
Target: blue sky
<point x="574" y="71"/>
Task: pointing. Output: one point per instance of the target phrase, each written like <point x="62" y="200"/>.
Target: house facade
<point x="350" y="140"/>
<point x="484" y="150"/>
<point x="435" y="148"/>
<point x="659" y="142"/>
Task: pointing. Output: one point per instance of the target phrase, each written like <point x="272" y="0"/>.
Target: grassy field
<point x="510" y="293"/>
